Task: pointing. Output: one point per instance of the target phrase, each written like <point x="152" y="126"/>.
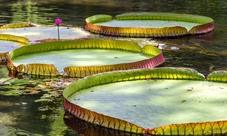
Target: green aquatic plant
<point x="183" y="77"/>
<point x="20" y="39"/>
<point x="18" y="25"/>
<point x="154" y="24"/>
<point x="153" y="57"/>
<point x="218" y="76"/>
<point x="38" y="70"/>
<point x="99" y="18"/>
<point x="40" y="33"/>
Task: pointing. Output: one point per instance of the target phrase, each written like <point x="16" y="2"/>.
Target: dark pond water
<point x="204" y="53"/>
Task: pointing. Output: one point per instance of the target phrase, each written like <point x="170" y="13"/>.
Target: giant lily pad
<point x="83" y="57"/>
<point x="149" y="24"/>
<point x="40" y="33"/>
<point x="144" y="102"/>
<point x="13" y="36"/>
<point x="36" y="33"/>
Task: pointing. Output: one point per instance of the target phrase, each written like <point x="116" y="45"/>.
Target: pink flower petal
<point x="58" y="21"/>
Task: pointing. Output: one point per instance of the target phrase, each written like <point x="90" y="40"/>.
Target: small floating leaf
<point x="43" y="100"/>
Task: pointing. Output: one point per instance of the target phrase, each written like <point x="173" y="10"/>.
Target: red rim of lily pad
<point x="96" y="118"/>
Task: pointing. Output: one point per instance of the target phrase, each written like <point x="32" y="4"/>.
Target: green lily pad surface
<point x="47" y="32"/>
<point x="153" y="103"/>
<point x="148" y="23"/>
<point x="80" y="57"/>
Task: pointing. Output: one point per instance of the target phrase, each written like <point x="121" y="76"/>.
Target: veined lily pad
<point x="149" y="24"/>
<point x="83" y="57"/>
<point x="141" y="101"/>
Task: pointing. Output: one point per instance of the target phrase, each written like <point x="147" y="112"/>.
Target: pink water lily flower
<point x="58" y="21"/>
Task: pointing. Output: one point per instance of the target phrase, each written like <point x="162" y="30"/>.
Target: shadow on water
<point x="204" y="53"/>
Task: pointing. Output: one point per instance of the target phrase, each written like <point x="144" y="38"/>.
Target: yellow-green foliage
<point x="17" y="25"/>
<point x="190" y="129"/>
<point x="164" y="16"/>
<point x="76" y="44"/>
<point x="118" y="76"/>
<point x="218" y="76"/>
<point x="75" y="71"/>
<point x="151" y="50"/>
<point x="98" y="18"/>
<point x="41" y="70"/>
<point x="203" y="24"/>
<point x="9" y="37"/>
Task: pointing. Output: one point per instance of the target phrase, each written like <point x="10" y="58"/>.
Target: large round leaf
<point x="166" y="107"/>
<point x="26" y="32"/>
<point x="45" y="33"/>
<point x="149" y="24"/>
<point x="84" y="57"/>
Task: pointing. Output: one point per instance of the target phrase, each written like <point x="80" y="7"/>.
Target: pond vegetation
<point x="31" y="102"/>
